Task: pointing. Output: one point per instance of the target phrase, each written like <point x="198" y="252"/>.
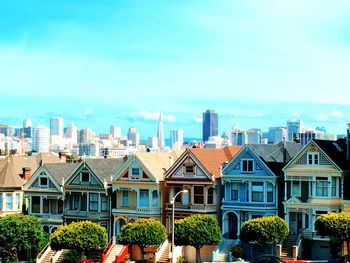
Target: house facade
<point x="315" y="183"/>
<point x="138" y="188"/>
<point x="251" y="183"/>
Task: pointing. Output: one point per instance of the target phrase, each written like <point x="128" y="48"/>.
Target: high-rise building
<point x="210" y="124"/>
<point x="27" y="123"/>
<point x="160" y="133"/>
<point x="240" y="138"/>
<point x="72" y="133"/>
<point x="116" y="132"/>
<point x="276" y="134"/>
<point x="309" y="134"/>
<point x="133" y="136"/>
<point x="87" y="136"/>
<point x="41" y="139"/>
<point x="293" y="129"/>
<point x="176" y="138"/>
<point x="56" y="126"/>
<point x="152" y="142"/>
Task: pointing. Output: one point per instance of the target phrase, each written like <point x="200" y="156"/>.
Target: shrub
<point x="237" y="251"/>
<point x="181" y="259"/>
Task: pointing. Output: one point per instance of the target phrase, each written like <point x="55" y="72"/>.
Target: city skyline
<point x="255" y="64"/>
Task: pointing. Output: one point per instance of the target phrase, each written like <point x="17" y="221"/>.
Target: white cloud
<point x="88" y="111"/>
<point x="152" y="116"/>
<point x="198" y="119"/>
<point x="336" y="114"/>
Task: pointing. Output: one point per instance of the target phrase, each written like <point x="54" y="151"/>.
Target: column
<point x="13" y="200"/>
<point x="150" y="198"/>
<point x="99" y="202"/>
<point x="249" y="192"/>
<point x="171" y="193"/>
<point x="205" y="191"/>
<point x="41" y="204"/>
<point x="137" y="191"/>
<point x="192" y="195"/>
<point x="264" y="192"/>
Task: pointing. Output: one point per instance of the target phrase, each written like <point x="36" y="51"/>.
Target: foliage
<point x="143" y="232"/>
<point x="143" y="261"/>
<point x="336" y="247"/>
<point x="181" y="259"/>
<point x="81" y="236"/>
<point x="264" y="231"/>
<point x="335" y="225"/>
<point x="72" y="256"/>
<point x="237" y="251"/>
<point x="197" y="231"/>
<point x="20" y="232"/>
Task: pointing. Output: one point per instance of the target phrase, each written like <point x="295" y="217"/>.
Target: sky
<point x="98" y="63"/>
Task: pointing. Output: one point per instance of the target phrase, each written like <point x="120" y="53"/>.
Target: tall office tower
<point x="293" y="129"/>
<point x="276" y="134"/>
<point x="133" y="136"/>
<point x="116" y="132"/>
<point x="27" y="123"/>
<point x="72" y="133"/>
<point x="253" y="136"/>
<point x="308" y="135"/>
<point x="87" y="136"/>
<point x="210" y="124"/>
<point x="176" y="138"/>
<point x="41" y="139"/>
<point x="56" y="126"/>
<point x="152" y="142"/>
<point x="160" y="133"/>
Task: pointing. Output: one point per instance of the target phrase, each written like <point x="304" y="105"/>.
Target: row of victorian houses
<point x="234" y="184"/>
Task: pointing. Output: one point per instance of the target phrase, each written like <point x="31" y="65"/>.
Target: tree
<point x="264" y="231"/>
<point x="143" y="232"/>
<point x="20" y="233"/>
<point x="197" y="231"/>
<point x="81" y="236"/>
<point x="335" y="225"/>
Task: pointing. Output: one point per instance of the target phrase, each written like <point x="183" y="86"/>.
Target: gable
<point x="247" y="163"/>
<point x="133" y="171"/>
<point x="84" y="176"/>
<point x="43" y="180"/>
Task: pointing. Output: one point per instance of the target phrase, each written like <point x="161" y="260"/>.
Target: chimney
<point x="26" y="174"/>
<point x="171" y="161"/>
<point x="63" y="156"/>
<point x="347" y="143"/>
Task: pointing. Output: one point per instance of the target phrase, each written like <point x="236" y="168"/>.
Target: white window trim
<point x="42" y="185"/>
<point x="313" y="154"/>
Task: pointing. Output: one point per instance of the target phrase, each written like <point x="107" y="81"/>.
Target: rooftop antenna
<point x="347" y="143"/>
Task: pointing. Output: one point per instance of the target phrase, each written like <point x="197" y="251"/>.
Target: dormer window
<point x="85" y="177"/>
<point x="43" y="182"/>
<point x="247" y="166"/>
<point x="189" y="169"/>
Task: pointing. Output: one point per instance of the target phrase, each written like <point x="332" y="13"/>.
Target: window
<point x="60" y="206"/>
<point x="210" y="200"/>
<point x="257" y="192"/>
<point x="321" y="186"/>
<point x="312" y="158"/>
<point x="144" y="198"/>
<point x="9" y="201"/>
<point x="189" y="169"/>
<point x="125" y="199"/>
<point x="135" y="173"/>
<point x="198" y="195"/>
<point x="247" y="166"/>
<point x="234" y="191"/>
<point x="269" y="194"/>
<point x="53" y="206"/>
<point x="18" y="201"/>
<point x="155" y="199"/>
<point x="43" y="182"/>
<point x="334" y="186"/>
<point x="46" y="205"/>
<point x="35" y="204"/>
<point x="104" y="202"/>
<point x="93" y="202"/>
<point x="0" y="201"/>
<point x="296" y="188"/>
<point x="85" y="177"/>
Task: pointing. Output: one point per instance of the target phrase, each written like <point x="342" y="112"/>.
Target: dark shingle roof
<point x="61" y="170"/>
<point x="105" y="168"/>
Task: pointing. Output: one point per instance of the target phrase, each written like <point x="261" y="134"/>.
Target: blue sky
<point x="97" y="63"/>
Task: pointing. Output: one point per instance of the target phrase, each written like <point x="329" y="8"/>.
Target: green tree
<point x="81" y="236"/>
<point x="20" y="233"/>
<point x="197" y="231"/>
<point x="264" y="231"/>
<point x="335" y="225"/>
<point x="143" y="232"/>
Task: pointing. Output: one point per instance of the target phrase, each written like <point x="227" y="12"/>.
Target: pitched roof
<point x="213" y="159"/>
<point x="105" y="168"/>
<point x="156" y="162"/>
<point x="60" y="170"/>
<point x="336" y="150"/>
<point x="8" y="178"/>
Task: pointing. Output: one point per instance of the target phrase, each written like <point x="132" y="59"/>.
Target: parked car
<point x="267" y="259"/>
<point x="343" y="259"/>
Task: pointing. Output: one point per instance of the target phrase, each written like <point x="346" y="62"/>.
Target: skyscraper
<point x="56" y="126"/>
<point x="72" y="133"/>
<point x="115" y="132"/>
<point x="41" y="139"/>
<point x="133" y="136"/>
<point x="160" y="133"/>
<point x="293" y="129"/>
<point x="210" y="124"/>
<point x="176" y="138"/>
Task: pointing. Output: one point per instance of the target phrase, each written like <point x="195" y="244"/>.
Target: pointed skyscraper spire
<point x="160" y="134"/>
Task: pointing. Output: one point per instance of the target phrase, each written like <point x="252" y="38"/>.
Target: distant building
<point x="276" y="135"/>
<point x="240" y="138"/>
<point x="176" y="138"/>
<point x="72" y="133"/>
<point x="27" y="123"/>
<point x="133" y="136"/>
<point x="210" y="124"/>
<point x="160" y="133"/>
<point x="293" y="129"/>
<point x="89" y="149"/>
<point x="116" y="132"/>
<point x="41" y="139"/>
<point x="7" y="130"/>
<point x="87" y="136"/>
<point x="152" y="142"/>
<point x="56" y="126"/>
<point x="308" y="135"/>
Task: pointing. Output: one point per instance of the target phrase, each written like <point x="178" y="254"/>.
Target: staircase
<point x="115" y="250"/>
<point x="223" y="250"/>
<point x="164" y="258"/>
<point x="61" y="255"/>
<point x="287" y="247"/>
<point x="47" y="258"/>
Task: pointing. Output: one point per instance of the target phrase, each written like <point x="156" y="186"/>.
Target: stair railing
<point x="55" y="257"/>
<point x="297" y="246"/>
<point x="43" y="252"/>
<point x="161" y="249"/>
<point x="107" y="250"/>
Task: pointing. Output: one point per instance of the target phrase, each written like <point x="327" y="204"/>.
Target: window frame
<point x="260" y="184"/>
<point x="245" y="167"/>
<point x="84" y="173"/>
<point x="125" y="198"/>
<point x="93" y="202"/>
<point x="41" y="185"/>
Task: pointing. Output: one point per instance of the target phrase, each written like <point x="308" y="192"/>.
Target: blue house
<point x="252" y="184"/>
